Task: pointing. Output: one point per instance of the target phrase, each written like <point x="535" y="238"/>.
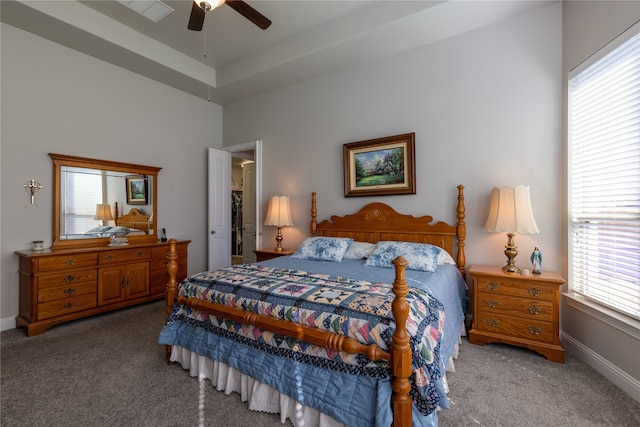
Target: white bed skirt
<point x="262" y="397"/>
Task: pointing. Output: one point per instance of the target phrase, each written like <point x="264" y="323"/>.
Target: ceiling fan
<point x="200" y="8"/>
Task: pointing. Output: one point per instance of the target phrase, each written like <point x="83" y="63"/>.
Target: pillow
<point x="421" y="256"/>
<point x="359" y="250"/>
<point x="98" y="230"/>
<point x="323" y="248"/>
<point x="116" y="231"/>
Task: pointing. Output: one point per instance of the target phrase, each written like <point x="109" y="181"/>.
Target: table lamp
<point x="511" y="212"/>
<point x="103" y="213"/>
<point x="279" y="215"/>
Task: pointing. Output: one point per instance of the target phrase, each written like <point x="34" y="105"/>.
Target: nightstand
<point x="519" y="310"/>
<point x="265" y="254"/>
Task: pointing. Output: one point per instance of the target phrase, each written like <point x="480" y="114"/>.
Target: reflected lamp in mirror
<point x="279" y="215"/>
<point x="103" y="213"/>
<point x="510" y="212"/>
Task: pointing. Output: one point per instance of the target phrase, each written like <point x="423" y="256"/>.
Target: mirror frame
<point x="61" y="160"/>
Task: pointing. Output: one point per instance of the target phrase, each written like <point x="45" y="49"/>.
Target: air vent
<point x="151" y="9"/>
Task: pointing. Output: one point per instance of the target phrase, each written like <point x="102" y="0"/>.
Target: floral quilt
<point x="354" y="308"/>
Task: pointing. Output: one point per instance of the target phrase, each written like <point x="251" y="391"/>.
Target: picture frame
<point x="137" y="187"/>
<point x="380" y="167"/>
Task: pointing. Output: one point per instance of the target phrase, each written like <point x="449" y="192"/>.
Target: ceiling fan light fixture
<point x="207" y="6"/>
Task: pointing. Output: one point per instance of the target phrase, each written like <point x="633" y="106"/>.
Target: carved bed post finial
<point x="314" y="214"/>
<point x="461" y="231"/>
<point x="400" y="349"/>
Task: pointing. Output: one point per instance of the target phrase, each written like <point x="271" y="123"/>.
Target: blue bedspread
<point x="363" y="392"/>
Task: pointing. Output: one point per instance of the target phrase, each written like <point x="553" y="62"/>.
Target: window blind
<point x="82" y="191"/>
<point x="604" y="177"/>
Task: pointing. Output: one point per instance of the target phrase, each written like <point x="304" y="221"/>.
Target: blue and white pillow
<point x="359" y="250"/>
<point x="323" y="248"/>
<point x="421" y="256"/>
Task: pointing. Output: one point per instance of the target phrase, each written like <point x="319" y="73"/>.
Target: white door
<point x="219" y="209"/>
<point x="249" y="228"/>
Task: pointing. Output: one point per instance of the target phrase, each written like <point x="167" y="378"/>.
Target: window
<point x="604" y="176"/>
<point x="82" y="190"/>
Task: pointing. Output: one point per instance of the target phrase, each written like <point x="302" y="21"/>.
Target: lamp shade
<point x="279" y="211"/>
<point x="103" y="212"/>
<point x="510" y="211"/>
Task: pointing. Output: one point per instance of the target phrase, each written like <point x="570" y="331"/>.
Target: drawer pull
<point x="70" y="261"/>
<point x="110" y="257"/>
<point x="69" y="292"/>
<point x="534" y="310"/>
<point x="69" y="305"/>
<point x="140" y="254"/>
<point x="535" y="330"/>
<point x="534" y="292"/>
<point x="493" y="322"/>
<point x="492" y="286"/>
<point x="69" y="279"/>
<point x="492" y="303"/>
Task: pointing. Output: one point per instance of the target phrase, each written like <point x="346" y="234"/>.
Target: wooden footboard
<point x="399" y="354"/>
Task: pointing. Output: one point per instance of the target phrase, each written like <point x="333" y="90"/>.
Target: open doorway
<point x="220" y="244"/>
<point x="242" y="197"/>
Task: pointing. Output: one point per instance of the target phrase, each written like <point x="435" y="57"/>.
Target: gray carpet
<point x="109" y="371"/>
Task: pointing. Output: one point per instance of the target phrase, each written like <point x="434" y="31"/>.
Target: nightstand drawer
<point x="517" y="288"/>
<point x="514" y="306"/>
<point x="515" y="327"/>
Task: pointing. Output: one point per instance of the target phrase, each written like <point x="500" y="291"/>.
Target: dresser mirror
<point x="100" y="202"/>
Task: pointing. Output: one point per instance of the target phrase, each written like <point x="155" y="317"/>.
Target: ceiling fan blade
<point x="250" y="13"/>
<point x="196" y="20"/>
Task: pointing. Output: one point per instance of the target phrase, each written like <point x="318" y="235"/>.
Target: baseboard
<point x="7" y="323"/>
<point x="620" y="378"/>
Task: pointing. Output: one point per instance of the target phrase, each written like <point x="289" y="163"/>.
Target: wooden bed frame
<point x="374" y="222"/>
<point x="134" y="219"/>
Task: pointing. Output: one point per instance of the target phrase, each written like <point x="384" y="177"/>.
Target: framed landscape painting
<point x="136" y="190"/>
<point x="382" y="166"/>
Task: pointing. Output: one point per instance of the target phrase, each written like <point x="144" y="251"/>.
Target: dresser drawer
<point x="160" y="275"/>
<point x="67" y="261"/>
<point x="514" y="306"/>
<point x="67" y="292"/>
<point x="163" y="251"/>
<point x="124" y="255"/>
<point x="530" y="329"/>
<point x="516" y="288"/>
<point x="67" y="306"/>
<point x="67" y="278"/>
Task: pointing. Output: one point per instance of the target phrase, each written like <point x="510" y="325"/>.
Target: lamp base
<point x="511" y="251"/>
<point x="279" y="247"/>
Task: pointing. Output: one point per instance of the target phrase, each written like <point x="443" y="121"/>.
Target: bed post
<point x="314" y="214"/>
<point x="400" y="349"/>
<point x="461" y="231"/>
<point x="172" y="285"/>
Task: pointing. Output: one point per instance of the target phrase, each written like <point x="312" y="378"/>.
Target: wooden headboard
<point x="134" y="219"/>
<point x="378" y="221"/>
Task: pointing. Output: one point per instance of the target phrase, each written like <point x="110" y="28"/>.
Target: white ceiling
<point x="306" y="37"/>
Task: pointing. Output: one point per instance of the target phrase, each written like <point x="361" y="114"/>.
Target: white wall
<point x="486" y="110"/>
<point x="58" y="100"/>
<point x="609" y="345"/>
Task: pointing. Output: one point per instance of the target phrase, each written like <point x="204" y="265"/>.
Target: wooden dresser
<point x="63" y="285"/>
<point x="515" y="309"/>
